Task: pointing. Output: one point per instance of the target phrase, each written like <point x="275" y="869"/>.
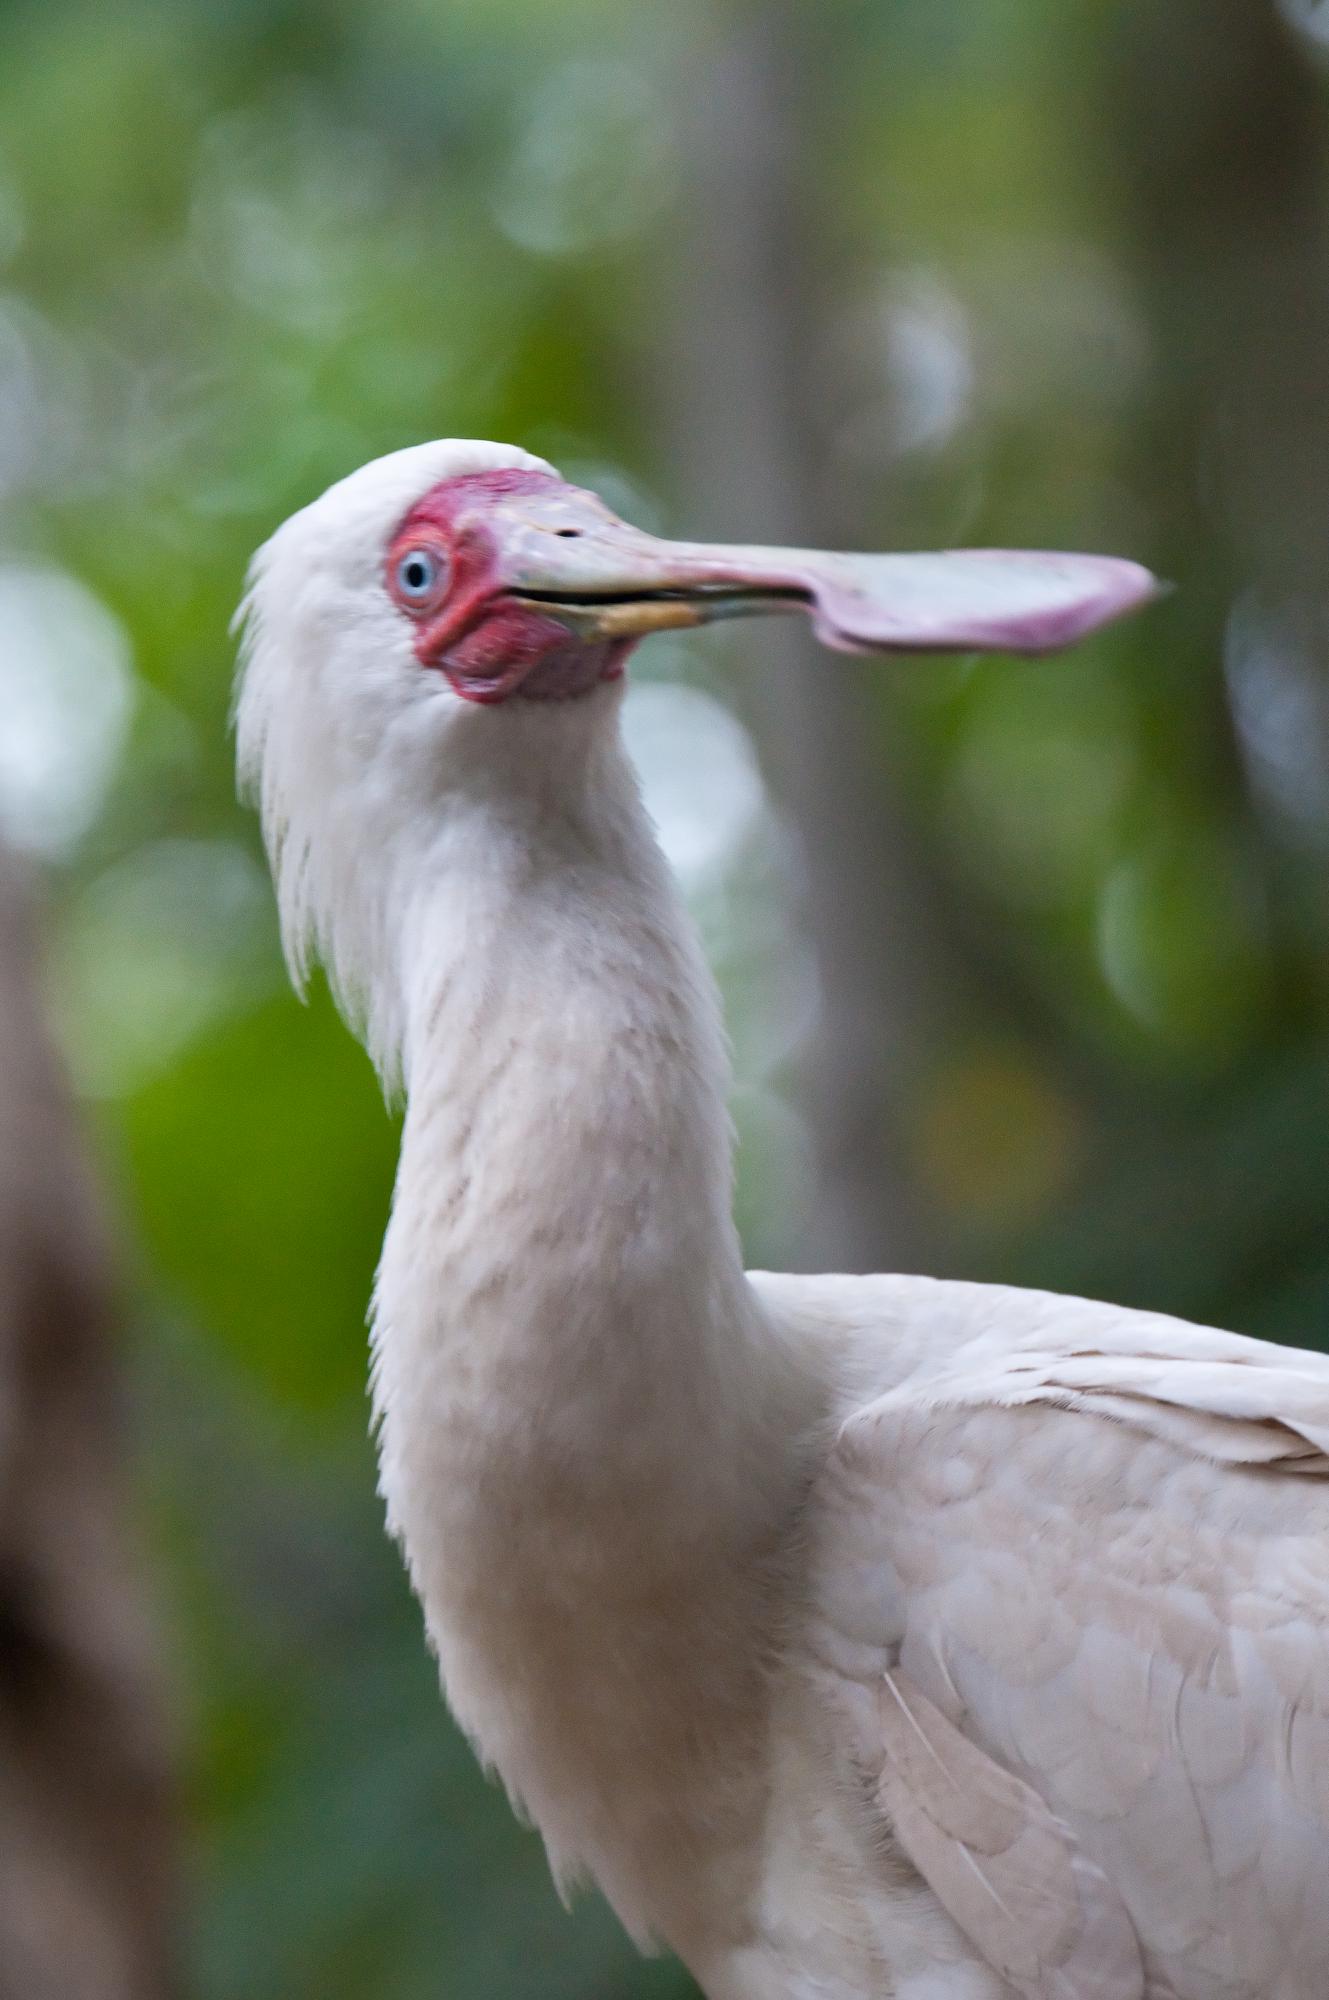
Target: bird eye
<point x="418" y="575"/>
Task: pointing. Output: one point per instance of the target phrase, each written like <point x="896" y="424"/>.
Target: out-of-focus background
<point x="1027" y="966"/>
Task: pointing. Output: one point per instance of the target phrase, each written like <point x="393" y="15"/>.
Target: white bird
<point x="860" y="1636"/>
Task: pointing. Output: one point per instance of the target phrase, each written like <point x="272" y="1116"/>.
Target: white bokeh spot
<point x="66" y="695"/>
<point x="1310" y="18"/>
<point x="699" y="775"/>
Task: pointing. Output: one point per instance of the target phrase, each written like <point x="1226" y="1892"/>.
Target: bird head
<point x="433" y="607"/>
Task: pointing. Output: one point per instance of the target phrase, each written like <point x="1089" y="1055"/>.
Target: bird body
<point x="858" y="1636"/>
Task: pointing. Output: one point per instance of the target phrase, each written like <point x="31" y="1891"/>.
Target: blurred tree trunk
<point x="86" y="1807"/>
<point x="745" y="340"/>
<point x="1219" y="137"/>
<point x="1215" y="144"/>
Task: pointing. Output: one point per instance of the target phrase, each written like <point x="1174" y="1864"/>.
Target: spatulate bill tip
<point x="973" y="600"/>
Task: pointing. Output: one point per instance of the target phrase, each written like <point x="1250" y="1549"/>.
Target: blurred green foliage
<point x="245" y="247"/>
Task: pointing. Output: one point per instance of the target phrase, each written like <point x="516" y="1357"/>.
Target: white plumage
<point x="858" y="1636"/>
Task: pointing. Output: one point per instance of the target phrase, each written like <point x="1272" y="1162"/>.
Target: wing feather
<point x="1089" y="1550"/>
<point x="1229" y="1411"/>
<point x="999" y="1862"/>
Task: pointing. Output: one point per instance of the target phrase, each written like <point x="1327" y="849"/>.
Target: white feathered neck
<point x="585" y="1424"/>
<point x="567" y="1073"/>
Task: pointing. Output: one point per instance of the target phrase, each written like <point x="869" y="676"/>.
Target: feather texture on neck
<point x="582" y="1415"/>
<point x="565" y="1164"/>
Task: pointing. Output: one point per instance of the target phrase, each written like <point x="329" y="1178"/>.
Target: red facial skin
<point x="488" y="647"/>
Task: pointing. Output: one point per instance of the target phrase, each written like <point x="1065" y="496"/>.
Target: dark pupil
<point x="416" y="573"/>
